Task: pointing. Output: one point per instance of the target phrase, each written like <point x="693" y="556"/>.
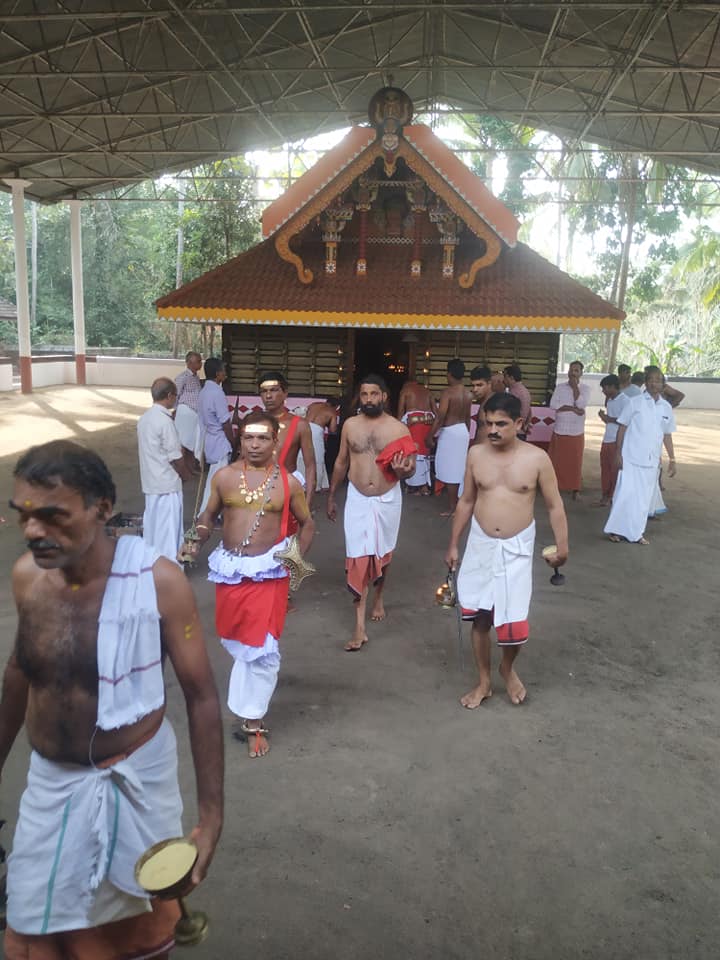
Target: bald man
<point x="162" y="471"/>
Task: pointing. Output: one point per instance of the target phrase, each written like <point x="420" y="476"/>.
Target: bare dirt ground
<point x="388" y="822"/>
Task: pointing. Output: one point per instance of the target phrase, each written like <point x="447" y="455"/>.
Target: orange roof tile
<point x="318" y="176"/>
<point x="464" y="182"/>
<point x="521" y="290"/>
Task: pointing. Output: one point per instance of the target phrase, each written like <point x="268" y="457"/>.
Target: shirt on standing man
<point x="213" y="412"/>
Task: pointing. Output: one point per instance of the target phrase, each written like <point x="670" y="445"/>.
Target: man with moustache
<point x="376" y="451"/>
<point x="215" y="422"/>
<point x="495" y="580"/>
<point x="569" y="401"/>
<point x="96" y="619"/>
<point x="417" y="410"/>
<point x="295" y="434"/>
<point x="257" y="498"/>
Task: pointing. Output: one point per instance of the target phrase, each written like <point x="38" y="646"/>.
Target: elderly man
<point x="644" y="425"/>
<point x="295" y="434"/>
<point x="162" y="471"/>
<point x="494" y="584"/>
<point x="215" y="422"/>
<point x="188" y="387"/>
<point x="96" y="619"/>
<point x="569" y="401"/>
<point x="377" y="451"/>
<point x="257" y="497"/>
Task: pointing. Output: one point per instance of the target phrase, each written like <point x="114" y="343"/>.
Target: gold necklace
<point x="252" y="496"/>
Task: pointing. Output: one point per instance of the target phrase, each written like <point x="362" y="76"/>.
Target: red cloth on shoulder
<point x="404" y="446"/>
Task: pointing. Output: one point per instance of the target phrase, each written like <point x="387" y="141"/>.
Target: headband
<point x="258" y="430"/>
<point x="266" y="384"/>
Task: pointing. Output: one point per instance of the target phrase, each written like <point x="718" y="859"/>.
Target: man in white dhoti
<point x="96" y="618"/>
<point x="186" y="414"/>
<point x="322" y="417"/>
<point x="417" y="410"/>
<point x="495" y="580"/>
<point x="452" y="429"/>
<point x="377" y="451"/>
<point x="162" y="471"/>
<point x="644" y="425"/>
<point x="257" y="498"/>
<point x="215" y="423"/>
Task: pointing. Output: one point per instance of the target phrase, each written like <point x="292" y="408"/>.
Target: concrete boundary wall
<point x="50" y="371"/>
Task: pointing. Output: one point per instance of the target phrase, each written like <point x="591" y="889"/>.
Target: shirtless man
<point x="480" y="390"/>
<point x="495" y="579"/>
<point x="322" y="415"/>
<point x="378" y="451"/>
<point x="417" y="410"/>
<point x="295" y="434"/>
<point x="256" y="497"/>
<point x="92" y="698"/>
<point x="452" y="429"/>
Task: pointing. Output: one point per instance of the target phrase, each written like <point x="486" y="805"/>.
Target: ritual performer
<point x="377" y="451"/>
<point x="188" y="387"/>
<point x="644" y="425"/>
<point x="615" y="401"/>
<point x="257" y="497"/>
<point x="162" y="471"/>
<point x="495" y="580"/>
<point x="567" y="443"/>
<point x="417" y="410"/>
<point x="215" y="422"/>
<point x="295" y="435"/>
<point x="481" y="390"/>
<point x="452" y="429"/>
<point x="512" y="376"/>
<point x="322" y="417"/>
<point x="96" y="619"/>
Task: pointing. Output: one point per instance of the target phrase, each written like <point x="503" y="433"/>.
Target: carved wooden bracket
<point x="282" y="245"/>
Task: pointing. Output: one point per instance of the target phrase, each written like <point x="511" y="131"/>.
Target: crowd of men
<point x="97" y="616"/>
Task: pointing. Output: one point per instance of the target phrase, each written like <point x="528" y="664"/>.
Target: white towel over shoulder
<point x="129" y="660"/>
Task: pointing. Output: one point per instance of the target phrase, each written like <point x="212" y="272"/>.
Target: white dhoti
<point x="80" y="832"/>
<point x="496" y="575"/>
<point x="631" y="501"/>
<point x="371" y="531"/>
<point x="451" y="453"/>
<point x="187" y="425"/>
<point x="259" y="597"/>
<point x="212" y="470"/>
<point x="657" y="504"/>
<point x="163" y="523"/>
<point x="318" y="439"/>
<point x="421" y="477"/>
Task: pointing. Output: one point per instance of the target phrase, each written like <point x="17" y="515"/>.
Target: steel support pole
<point x="77" y="290"/>
<point x="21" y="281"/>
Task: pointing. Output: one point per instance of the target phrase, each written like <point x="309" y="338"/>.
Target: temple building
<point x="388" y="256"/>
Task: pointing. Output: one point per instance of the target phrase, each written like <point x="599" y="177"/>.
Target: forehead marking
<point x="266" y="384"/>
<point x="257" y="430"/>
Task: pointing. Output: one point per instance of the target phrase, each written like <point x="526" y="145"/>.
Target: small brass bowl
<point x="164" y="870"/>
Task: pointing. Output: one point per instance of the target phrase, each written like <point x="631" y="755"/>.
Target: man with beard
<point x="377" y="451"/>
<point x="480" y="390"/>
<point x="417" y="410"/>
<point x="495" y="580"/>
<point x="96" y="619"/>
<point x="295" y="434"/>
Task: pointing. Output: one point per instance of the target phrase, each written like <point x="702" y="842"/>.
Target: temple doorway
<point x="386" y="353"/>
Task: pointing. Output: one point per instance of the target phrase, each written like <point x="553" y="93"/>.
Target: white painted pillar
<point x="77" y="290"/>
<point x="21" y="281"/>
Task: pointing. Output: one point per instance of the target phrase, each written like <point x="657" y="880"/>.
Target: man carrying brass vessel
<point x="96" y="619"/>
<point x="494" y="584"/>
<point x="257" y="498"/>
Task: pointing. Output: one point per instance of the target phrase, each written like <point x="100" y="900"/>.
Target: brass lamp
<point x="164" y="871"/>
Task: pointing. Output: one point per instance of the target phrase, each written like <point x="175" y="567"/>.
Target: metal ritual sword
<point x="452" y="583"/>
